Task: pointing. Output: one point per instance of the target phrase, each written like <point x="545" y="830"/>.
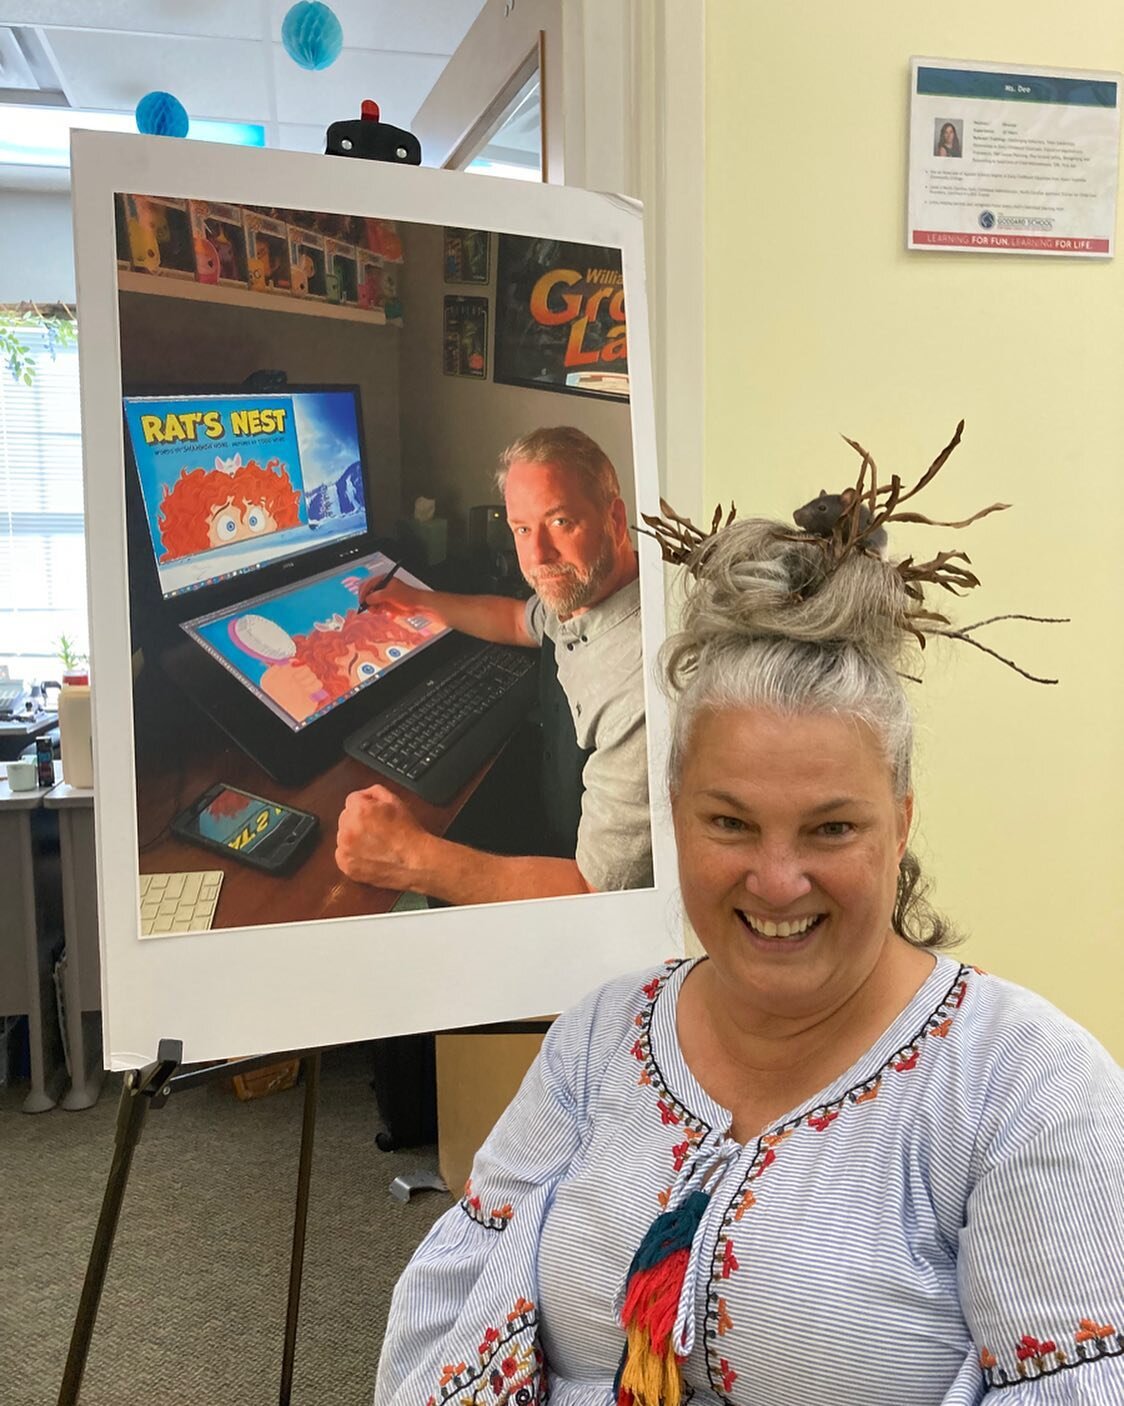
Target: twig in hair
<point x="680" y="538"/>
<point x="963" y="633"/>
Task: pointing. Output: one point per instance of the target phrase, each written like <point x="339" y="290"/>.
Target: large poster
<point x="560" y="317"/>
<point x="340" y="780"/>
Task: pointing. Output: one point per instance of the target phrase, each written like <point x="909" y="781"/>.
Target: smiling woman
<point x="856" y="1169"/>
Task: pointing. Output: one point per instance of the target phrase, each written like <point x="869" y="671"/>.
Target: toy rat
<point x="820" y="516"/>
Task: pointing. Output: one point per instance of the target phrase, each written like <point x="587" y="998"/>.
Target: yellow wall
<point x="818" y="321"/>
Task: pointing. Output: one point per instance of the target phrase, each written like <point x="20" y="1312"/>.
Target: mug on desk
<point x="22" y="776"/>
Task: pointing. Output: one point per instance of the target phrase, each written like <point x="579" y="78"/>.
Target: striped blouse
<point x="944" y="1224"/>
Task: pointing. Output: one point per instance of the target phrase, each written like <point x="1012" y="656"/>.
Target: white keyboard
<point x="172" y="903"/>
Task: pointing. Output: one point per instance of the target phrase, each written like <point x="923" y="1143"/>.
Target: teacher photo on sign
<point x="827" y="1163"/>
<point x="571" y="534"/>
<point x="948" y="139"/>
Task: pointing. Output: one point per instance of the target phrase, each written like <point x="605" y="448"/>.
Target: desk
<point x="249" y="897"/>
<point x="26" y="950"/>
<point x="81" y="971"/>
<point x="16" y="733"/>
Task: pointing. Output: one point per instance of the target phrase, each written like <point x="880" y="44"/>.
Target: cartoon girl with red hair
<point x="230" y="503"/>
<point x="338" y="655"/>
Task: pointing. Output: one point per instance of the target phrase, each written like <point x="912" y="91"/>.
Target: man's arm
<point x="495" y="618"/>
<point x="379" y="842"/>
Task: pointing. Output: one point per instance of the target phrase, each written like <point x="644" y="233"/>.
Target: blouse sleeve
<point x="465" y="1307"/>
<point x="1041" y="1256"/>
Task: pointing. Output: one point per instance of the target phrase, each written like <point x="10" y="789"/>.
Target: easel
<point x="368" y="139"/>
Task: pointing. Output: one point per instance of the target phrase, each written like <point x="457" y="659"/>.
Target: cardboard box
<point x="219" y="235"/>
<point x="477" y="1077"/>
<point x="309" y="264"/>
<point x="267" y="253"/>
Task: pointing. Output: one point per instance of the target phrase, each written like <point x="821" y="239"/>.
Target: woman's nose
<point x="776" y="877"/>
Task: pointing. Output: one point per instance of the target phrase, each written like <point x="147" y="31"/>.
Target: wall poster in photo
<point x="304" y="701"/>
<point x="1007" y="160"/>
<point x="560" y="317"/>
<point x="466" y="255"/>
<point x="465" y="345"/>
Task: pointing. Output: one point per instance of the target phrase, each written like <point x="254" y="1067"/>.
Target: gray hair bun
<point x="754" y="581"/>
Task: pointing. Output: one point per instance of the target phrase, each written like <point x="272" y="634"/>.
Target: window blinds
<point x="42" y="550"/>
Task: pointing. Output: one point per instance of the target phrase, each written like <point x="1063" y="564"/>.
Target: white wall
<point x="36" y="247"/>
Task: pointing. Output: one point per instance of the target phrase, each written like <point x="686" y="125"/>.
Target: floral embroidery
<point x="725" y="1322"/>
<point x="495" y="1219"/>
<point x="820" y="1119"/>
<point x="673" y="1113"/>
<point x="509" y="1366"/>
<point x="729" y="1376"/>
<point x="1034" y="1357"/>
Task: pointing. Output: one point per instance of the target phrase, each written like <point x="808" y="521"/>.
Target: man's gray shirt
<point x="601" y="670"/>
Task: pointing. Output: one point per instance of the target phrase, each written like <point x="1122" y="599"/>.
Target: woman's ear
<point x="905" y="820"/>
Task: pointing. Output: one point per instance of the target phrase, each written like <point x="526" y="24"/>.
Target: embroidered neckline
<point x="819" y="1118"/>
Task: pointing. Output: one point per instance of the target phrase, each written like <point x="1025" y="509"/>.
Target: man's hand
<point x="378" y="841"/>
<point x="396" y="592"/>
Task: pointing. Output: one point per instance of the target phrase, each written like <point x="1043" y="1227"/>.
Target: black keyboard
<point x="440" y="733"/>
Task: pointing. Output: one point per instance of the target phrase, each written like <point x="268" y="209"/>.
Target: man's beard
<point x="566" y="589"/>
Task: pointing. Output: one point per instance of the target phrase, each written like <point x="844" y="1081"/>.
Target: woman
<point x="884" y="1177"/>
<point x="948" y="143"/>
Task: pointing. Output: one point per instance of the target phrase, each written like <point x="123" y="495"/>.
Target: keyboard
<point x="436" y="737"/>
<point x="171" y="903"/>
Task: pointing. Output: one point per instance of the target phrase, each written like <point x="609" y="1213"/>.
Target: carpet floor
<point x="193" y="1312"/>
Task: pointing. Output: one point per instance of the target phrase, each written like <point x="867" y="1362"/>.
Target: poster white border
<point x="243" y="991"/>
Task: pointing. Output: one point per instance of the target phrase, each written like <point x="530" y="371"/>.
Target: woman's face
<point x="789" y="840"/>
<point x="948" y="134"/>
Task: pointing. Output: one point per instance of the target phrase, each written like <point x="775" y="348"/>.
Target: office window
<point x="42" y="550"/>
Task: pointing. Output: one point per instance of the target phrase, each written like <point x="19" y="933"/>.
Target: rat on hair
<point x="820" y="516"/>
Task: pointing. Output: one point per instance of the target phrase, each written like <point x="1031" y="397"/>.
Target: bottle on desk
<point x="76" y="735"/>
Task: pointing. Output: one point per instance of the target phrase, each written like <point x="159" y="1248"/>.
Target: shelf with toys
<point x="330" y="265"/>
<point x="245" y="298"/>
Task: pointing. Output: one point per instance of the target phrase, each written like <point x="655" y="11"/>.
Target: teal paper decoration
<point x="159" y="114"/>
<point x="312" y="35"/>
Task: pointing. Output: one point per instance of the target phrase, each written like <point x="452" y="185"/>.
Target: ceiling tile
<point x="212" y="78"/>
<point x="429" y="27"/>
<point x="203" y="17"/>
<point x="397" y="82"/>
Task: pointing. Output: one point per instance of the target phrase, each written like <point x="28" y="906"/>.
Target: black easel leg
<point x="304" y="1173"/>
<point x="130" y="1119"/>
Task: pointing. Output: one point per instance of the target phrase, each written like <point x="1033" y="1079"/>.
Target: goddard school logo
<point x="987" y="219"/>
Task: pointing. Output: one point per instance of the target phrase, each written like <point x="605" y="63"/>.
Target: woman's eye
<point x="834" y="829"/>
<point x="227" y="525"/>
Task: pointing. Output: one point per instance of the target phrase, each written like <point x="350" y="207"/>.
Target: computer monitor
<point x="233" y="483"/>
<point x="307" y="649"/>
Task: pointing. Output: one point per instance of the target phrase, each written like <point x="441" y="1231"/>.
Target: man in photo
<point x="570" y="527"/>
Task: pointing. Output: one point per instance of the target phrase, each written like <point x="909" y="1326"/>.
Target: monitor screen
<point x="231" y="483"/>
<point x="306" y="648"/>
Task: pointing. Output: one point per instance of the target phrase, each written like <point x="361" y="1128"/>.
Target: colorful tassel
<point x="649" y="1372"/>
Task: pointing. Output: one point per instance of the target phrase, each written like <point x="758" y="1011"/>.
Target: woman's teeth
<point x="796" y="927"/>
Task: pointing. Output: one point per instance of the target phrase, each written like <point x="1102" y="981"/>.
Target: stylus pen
<point x="386" y="580"/>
